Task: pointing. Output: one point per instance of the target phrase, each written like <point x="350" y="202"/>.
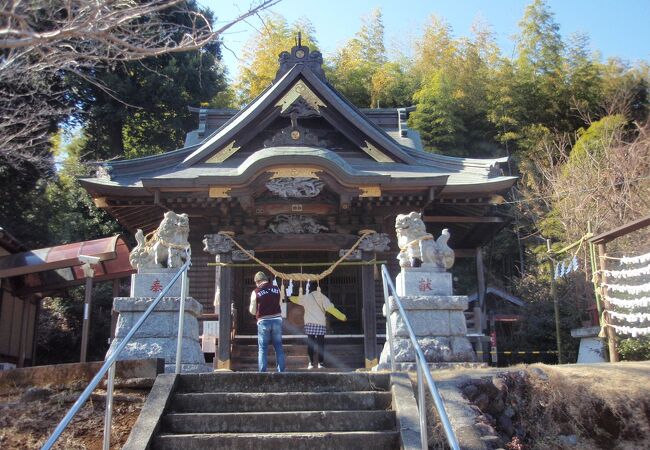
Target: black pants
<point x="316" y="342"/>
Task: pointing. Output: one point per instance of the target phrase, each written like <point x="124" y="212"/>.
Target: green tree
<point x="584" y="78"/>
<point x="260" y="56"/>
<point x="73" y="215"/>
<point x="392" y="85"/>
<point x="452" y="108"/>
<point x="625" y="89"/>
<point x="355" y="64"/>
<point x="140" y="108"/>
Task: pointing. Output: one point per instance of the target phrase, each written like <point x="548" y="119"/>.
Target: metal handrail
<point x="109" y="364"/>
<point x="422" y="368"/>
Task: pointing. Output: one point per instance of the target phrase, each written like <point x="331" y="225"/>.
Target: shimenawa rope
<point x="300" y="276"/>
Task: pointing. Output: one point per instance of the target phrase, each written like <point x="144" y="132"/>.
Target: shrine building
<point x="295" y="175"/>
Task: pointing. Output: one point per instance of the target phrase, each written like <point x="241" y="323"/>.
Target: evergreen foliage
<point x="139" y="108"/>
<point x="356" y="64"/>
<point x="260" y="57"/>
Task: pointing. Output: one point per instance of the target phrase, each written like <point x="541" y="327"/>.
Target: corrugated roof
<point x="113" y="253"/>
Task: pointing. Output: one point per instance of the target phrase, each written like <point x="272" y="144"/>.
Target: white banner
<point x="630" y="289"/>
<point x="635" y="259"/>
<point x="634" y="303"/>
<point x="631" y="317"/>
<point x="628" y="273"/>
<point x="630" y="330"/>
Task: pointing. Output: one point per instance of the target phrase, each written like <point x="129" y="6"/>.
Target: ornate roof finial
<point x="300" y="54"/>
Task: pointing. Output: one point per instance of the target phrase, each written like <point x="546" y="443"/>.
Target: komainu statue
<point x="167" y="246"/>
<point x="419" y="248"/>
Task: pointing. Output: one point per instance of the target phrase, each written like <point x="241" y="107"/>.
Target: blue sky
<point x="616" y="28"/>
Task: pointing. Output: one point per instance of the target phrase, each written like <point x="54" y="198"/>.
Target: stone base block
<point x="150" y="282"/>
<point x="157" y="338"/>
<point x="412" y="366"/>
<point x="418" y="302"/>
<point x="429" y="323"/>
<point x="436" y="349"/>
<point x="421" y="281"/>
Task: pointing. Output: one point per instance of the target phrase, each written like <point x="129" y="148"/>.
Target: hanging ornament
<point x="635" y="259"/>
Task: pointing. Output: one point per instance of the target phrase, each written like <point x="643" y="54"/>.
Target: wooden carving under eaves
<point x="293" y="172"/>
<point x="219" y="191"/>
<point x="370" y="191"/>
<point x="300" y="90"/>
<point x="375" y="153"/>
<point x="223" y="154"/>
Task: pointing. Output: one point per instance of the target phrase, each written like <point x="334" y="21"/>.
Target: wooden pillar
<point x="37" y="312"/>
<point x="24" y="324"/>
<point x="611" y="335"/>
<point x="369" y="317"/>
<point x="114" y="314"/>
<point x="223" y="304"/>
<point x="480" y="281"/>
<point x="88" y="300"/>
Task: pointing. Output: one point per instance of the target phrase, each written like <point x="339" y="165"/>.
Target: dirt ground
<point x="28" y="417"/>
<point x="540" y="407"/>
<point x="596" y="406"/>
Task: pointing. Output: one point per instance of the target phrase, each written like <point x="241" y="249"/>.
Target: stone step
<point x="355" y="440"/>
<point x="300" y="361"/>
<point x="282" y="382"/>
<point x="280" y="401"/>
<point x="279" y="422"/>
<point x="299" y="349"/>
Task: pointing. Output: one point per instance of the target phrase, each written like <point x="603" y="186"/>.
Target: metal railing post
<point x="389" y="328"/>
<point x="108" y="413"/>
<point x="422" y="366"/>
<point x="63" y="424"/>
<point x="421" y="406"/>
<point x="181" y="321"/>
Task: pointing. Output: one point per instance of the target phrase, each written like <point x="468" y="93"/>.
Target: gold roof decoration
<point x="300" y="90"/>
<point x="375" y="153"/>
<point x="223" y="154"/>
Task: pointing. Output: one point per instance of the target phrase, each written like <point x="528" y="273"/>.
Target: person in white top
<point x="316" y="304"/>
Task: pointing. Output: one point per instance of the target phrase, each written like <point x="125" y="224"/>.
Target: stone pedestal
<point x="437" y="319"/>
<point x="157" y="337"/>
<point x="591" y="346"/>
<point x="150" y="282"/>
<point x="422" y="281"/>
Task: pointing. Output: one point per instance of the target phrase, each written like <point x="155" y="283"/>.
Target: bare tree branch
<point x="42" y="40"/>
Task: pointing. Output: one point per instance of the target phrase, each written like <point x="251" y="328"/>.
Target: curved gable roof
<point x="336" y="108"/>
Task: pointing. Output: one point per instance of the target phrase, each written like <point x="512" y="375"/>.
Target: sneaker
<point x="310" y="366"/>
<point x="321" y="366"/>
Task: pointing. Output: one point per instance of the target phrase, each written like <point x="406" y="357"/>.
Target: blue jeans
<point x="270" y="330"/>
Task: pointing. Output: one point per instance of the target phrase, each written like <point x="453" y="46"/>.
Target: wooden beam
<point x="609" y="331"/>
<point x="463" y="219"/>
<point x="223" y="301"/>
<point x="480" y="280"/>
<point x="369" y="318"/>
<point x="604" y="238"/>
<point x="85" y="331"/>
<point x="464" y="252"/>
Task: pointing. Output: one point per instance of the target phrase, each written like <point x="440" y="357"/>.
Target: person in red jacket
<point x="265" y="306"/>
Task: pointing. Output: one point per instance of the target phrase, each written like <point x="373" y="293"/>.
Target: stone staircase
<point x="340" y="354"/>
<point x="296" y="411"/>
